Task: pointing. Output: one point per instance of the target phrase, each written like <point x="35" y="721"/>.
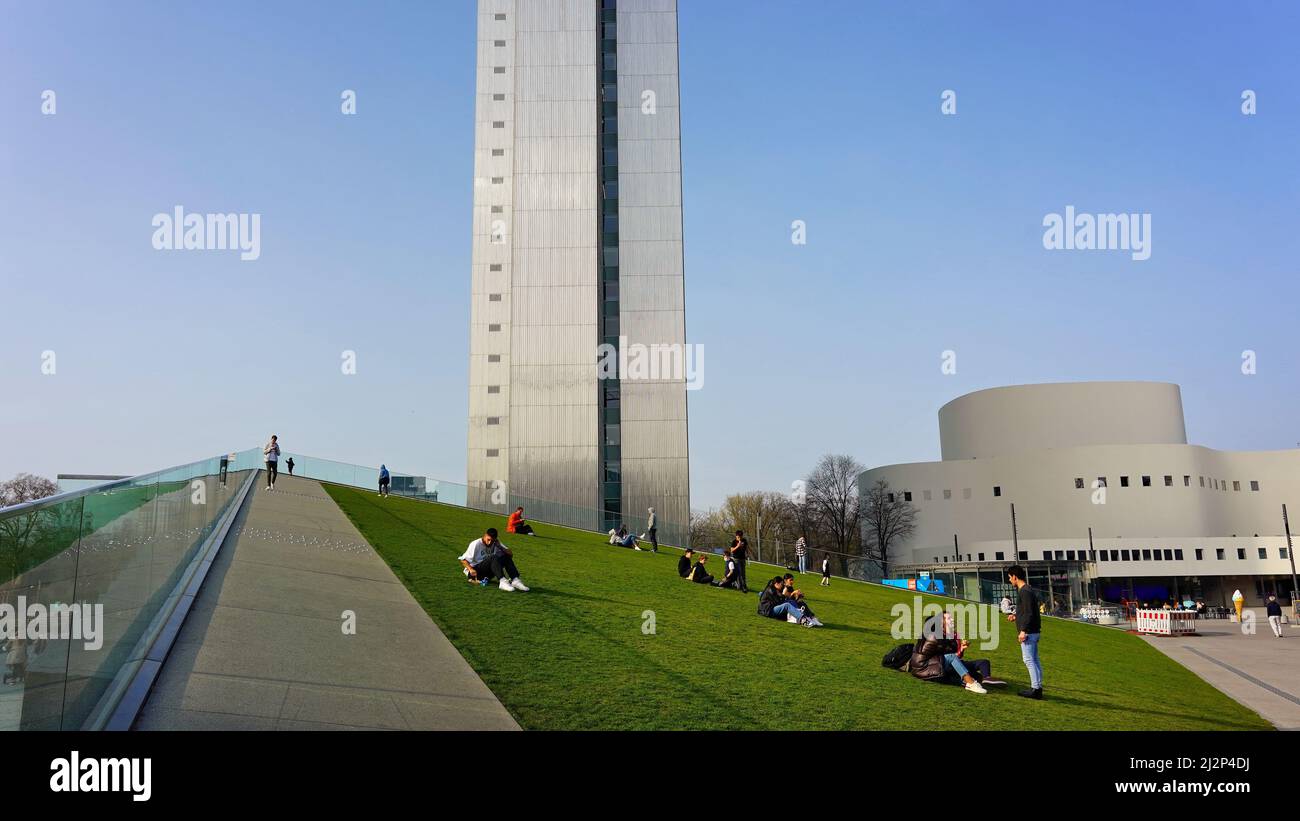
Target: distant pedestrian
<point x="650" y="531"/>
<point x="1029" y="624"/>
<point x="289" y="465"/>
<point x="826" y="570"/>
<point x="1274" y="615"/>
<point x="384" y="480"/>
<point x="801" y="553"/>
<point x="1239" y="602"/>
<point x="740" y="552"/>
<point x="272" y="455"/>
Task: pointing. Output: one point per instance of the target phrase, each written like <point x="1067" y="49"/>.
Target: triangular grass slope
<point x="573" y="654"/>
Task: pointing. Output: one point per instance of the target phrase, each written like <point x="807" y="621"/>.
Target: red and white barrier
<point x="1166" y="622"/>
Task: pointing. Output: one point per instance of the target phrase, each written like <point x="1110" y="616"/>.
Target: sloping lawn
<point x="572" y="653"/>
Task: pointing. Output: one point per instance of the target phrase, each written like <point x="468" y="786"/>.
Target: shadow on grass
<point x="1101" y="705"/>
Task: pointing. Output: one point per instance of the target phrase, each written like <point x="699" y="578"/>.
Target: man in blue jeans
<point x="1030" y="625"/>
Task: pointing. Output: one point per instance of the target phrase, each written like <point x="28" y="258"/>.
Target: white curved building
<point x="1110" y="500"/>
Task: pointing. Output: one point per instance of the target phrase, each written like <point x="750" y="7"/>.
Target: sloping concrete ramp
<point x="264" y="647"/>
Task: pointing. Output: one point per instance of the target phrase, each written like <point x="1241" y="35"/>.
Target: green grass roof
<point x="572" y="654"/>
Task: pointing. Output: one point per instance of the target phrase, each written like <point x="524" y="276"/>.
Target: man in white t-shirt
<point x="486" y="559"/>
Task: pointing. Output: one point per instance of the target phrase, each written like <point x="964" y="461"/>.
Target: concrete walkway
<point x="264" y="648"/>
<point x="1261" y="671"/>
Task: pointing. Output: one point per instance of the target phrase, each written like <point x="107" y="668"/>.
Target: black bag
<point x="897" y="657"/>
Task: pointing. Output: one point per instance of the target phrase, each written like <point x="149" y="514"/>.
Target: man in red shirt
<point x="518" y="525"/>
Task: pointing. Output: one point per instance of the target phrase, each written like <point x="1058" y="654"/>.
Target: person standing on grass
<point x="1239" y="602"/>
<point x="272" y="455"/>
<point x="826" y="570"/>
<point x="650" y="531"/>
<point x="486" y="559"/>
<point x="1029" y="624"/>
<point x="1274" y="615"/>
<point x="801" y="553"/>
<point x="740" y="552"/>
<point x="384" y="480"/>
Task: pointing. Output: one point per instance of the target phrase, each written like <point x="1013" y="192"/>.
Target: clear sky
<point x="924" y="230"/>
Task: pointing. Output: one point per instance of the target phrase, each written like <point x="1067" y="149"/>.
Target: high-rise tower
<point x="578" y="245"/>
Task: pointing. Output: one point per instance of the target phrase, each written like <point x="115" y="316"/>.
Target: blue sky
<point x="924" y="230"/>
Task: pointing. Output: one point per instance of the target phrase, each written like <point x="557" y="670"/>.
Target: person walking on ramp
<point x="272" y="455"/>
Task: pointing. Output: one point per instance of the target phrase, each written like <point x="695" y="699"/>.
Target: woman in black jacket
<point x="937" y="656"/>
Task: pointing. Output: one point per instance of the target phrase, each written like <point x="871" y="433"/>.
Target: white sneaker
<point x="505" y="585"/>
<point x="791" y="618"/>
<point x="268" y="487"/>
<point x="518" y="584"/>
<point x="975" y="687"/>
<point x="813" y="621"/>
<point x="636" y="548"/>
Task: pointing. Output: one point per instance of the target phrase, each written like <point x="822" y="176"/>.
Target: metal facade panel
<point x="655" y="468"/>
<point x="538" y="311"/>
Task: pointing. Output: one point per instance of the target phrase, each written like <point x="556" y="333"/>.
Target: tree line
<point x="858" y="528"/>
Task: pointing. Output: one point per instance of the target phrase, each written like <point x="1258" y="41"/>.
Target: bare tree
<point x="832" y="499"/>
<point x="759" y="513"/>
<point x="888" y="518"/>
<point x="18" y="531"/>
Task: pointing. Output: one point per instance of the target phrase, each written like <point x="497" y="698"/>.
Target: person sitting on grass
<point x="684" y="563"/>
<point x="791" y="593"/>
<point x="731" y="576"/>
<point x="486" y="559"/>
<point x="518" y="525"/>
<point x="699" y="574"/>
<point x="621" y="538"/>
<point x="938" y="657"/>
<point x="773" y="604"/>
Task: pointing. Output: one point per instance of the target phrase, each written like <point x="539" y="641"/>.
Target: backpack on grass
<point x="897" y="657"/>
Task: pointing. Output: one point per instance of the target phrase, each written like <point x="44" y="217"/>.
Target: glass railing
<point x="83" y="578"/>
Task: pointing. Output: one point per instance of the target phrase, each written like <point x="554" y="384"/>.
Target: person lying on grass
<point x="621" y="538"/>
<point x="938" y="657"/>
<point x="486" y="559"/>
<point x="699" y="574"/>
<point x="790" y="593"/>
<point x="773" y="604"/>
<point x="684" y="563"/>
